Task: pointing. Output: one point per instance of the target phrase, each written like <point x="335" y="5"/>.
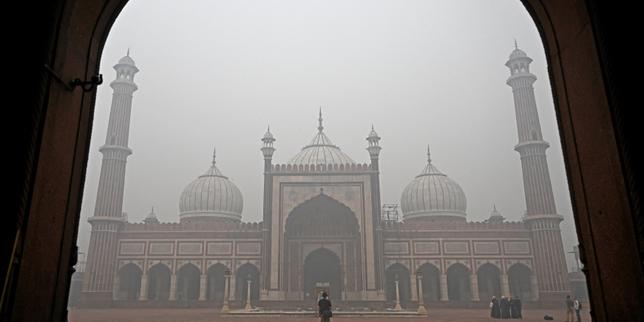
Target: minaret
<point x="267" y="151"/>
<point x="374" y="154"/>
<point x="541" y="214"/>
<point x="108" y="216"/>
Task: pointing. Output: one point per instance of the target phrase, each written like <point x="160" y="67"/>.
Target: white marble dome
<point x="211" y="196"/>
<point x="434" y="195"/>
<point x="321" y="151"/>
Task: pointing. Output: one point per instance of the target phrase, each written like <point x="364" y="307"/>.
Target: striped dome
<point x="321" y="151"/>
<point x="433" y="195"/>
<point x="210" y="196"/>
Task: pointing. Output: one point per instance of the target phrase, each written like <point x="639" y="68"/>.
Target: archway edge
<point x="312" y="197"/>
<point x="74" y="41"/>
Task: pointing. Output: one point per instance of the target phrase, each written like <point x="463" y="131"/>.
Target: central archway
<point x="322" y="271"/>
<point x="322" y="245"/>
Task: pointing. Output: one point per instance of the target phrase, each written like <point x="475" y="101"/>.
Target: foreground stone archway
<point x="53" y="149"/>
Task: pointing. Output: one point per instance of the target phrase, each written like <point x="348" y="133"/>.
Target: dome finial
<point x="214" y="155"/>
<point x="429" y="158"/>
<point x="128" y="52"/>
<point x="320" y="127"/>
<point x="515" y="44"/>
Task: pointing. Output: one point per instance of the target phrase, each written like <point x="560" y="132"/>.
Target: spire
<point x="128" y="52"/>
<point x="429" y="158"/>
<point x="515" y="44"/>
<point x="320" y="127"/>
<point x="214" y="155"/>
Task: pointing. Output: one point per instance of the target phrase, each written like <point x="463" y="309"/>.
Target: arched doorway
<point x="245" y="273"/>
<point x="129" y="282"/>
<point x="309" y="225"/>
<point x="188" y="279"/>
<point x="458" y="283"/>
<point x="397" y="272"/>
<point x="489" y="281"/>
<point x="322" y="270"/>
<point x="519" y="277"/>
<point x="216" y="283"/>
<point x="431" y="282"/>
<point x="159" y="282"/>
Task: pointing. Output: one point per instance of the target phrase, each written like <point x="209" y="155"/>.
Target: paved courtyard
<point x="198" y="315"/>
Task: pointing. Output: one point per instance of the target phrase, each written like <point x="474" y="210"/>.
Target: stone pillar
<point x="474" y="287"/>
<point x="232" y="286"/>
<point x="173" y="288"/>
<point x="534" y="287"/>
<point x="505" y="285"/>
<point x="414" y="289"/>
<point x="203" y="287"/>
<point x="225" y="308"/>
<point x="115" y="288"/>
<point x="444" y="296"/>
<point x="421" y="298"/>
<point x="143" y="293"/>
<point x="397" y="307"/>
<point x="248" y="306"/>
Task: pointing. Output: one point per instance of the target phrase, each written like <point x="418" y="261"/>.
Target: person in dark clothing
<point x="515" y="308"/>
<point x="324" y="308"/>
<point x="505" y="308"/>
<point x="495" y="311"/>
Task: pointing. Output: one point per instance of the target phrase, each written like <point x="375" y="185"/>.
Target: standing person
<point x="495" y="311"/>
<point x="505" y="308"/>
<point x="519" y="309"/>
<point x="324" y="306"/>
<point x="577" y="306"/>
<point x="569" y="308"/>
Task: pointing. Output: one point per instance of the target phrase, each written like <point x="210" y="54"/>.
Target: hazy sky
<point x="216" y="73"/>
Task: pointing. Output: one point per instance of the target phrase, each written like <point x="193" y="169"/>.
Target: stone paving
<point x="202" y="315"/>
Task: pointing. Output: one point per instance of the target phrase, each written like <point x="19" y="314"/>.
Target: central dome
<point x="321" y="151"/>
<point x="211" y="196"/>
<point x="433" y="195"/>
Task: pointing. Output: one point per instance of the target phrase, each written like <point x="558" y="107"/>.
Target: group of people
<point x="506" y="308"/>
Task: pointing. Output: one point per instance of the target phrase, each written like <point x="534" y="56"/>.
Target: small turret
<point x="151" y="218"/>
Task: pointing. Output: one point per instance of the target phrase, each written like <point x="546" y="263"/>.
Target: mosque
<point x="324" y="228"/>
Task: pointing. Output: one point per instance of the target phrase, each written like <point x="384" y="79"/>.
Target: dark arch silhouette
<point x="244" y="273"/>
<point x="322" y="266"/>
<point x="216" y="283"/>
<point x="431" y="282"/>
<point x="458" y="283"/>
<point x="129" y="282"/>
<point x="519" y="280"/>
<point x="188" y="282"/>
<point x="398" y="272"/>
<point x="489" y="282"/>
<point x="159" y="282"/>
<point x="321" y="216"/>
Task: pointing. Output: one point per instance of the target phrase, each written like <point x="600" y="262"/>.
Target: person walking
<point x="577" y="306"/>
<point x="569" y="308"/>
<point x="495" y="311"/>
<point x="324" y="308"/>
